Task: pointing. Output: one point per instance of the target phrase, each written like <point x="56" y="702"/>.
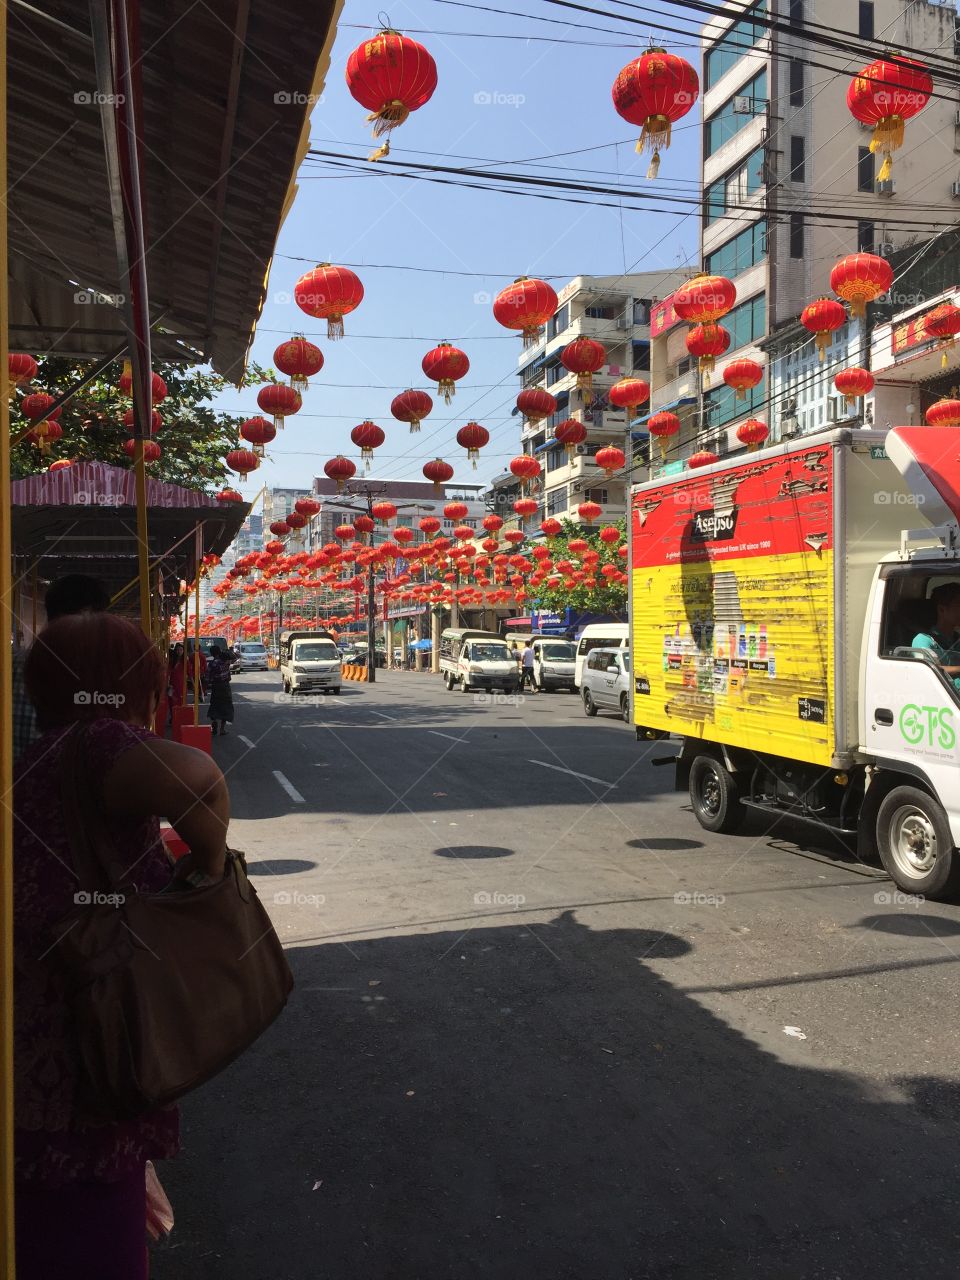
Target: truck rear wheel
<point x="915" y="844"/>
<point x="448" y="681"/>
<point x="714" y="795"/>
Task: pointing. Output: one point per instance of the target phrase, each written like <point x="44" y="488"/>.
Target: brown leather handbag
<point x="165" y="989"/>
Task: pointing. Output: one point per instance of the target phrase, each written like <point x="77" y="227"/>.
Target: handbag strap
<point x="90" y="867"/>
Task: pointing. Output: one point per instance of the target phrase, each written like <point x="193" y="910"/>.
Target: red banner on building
<point x="663" y="317"/>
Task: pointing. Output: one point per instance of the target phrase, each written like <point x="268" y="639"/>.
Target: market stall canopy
<point x="83" y="520"/>
<point x="227" y="91"/>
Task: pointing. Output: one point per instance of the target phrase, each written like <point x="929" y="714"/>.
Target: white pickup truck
<point x="309" y="662"/>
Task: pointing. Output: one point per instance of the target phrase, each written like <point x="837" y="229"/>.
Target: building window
<point x="597" y="495"/>
<point x="721" y="405"/>
<point x="747" y="322"/>
<point x="796" y="235"/>
<point x="641" y="310"/>
<point x="559" y="321"/>
<point x="641" y="357"/>
<point x="739" y="254"/>
<point x="865" y="30"/>
<point x="732" y="45"/>
<point x="865" y="169"/>
<point x="600" y="313"/>
<point x="729" y="192"/>
<point x="728" y="122"/>
<point x="554" y="373"/>
<point x="796" y="82"/>
<point x="557" y="500"/>
<point x="798" y="154"/>
<point x="865" y="237"/>
<point x="796" y="13"/>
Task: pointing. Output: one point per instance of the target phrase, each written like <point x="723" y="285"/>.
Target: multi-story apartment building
<point x="789" y="182"/>
<point x="413" y="500"/>
<point x="614" y="310"/>
<point x="278" y="503"/>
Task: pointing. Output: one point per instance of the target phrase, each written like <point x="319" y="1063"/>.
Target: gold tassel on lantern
<point x="822" y="341"/>
<point x="447" y="387"/>
<point x="887" y="137"/>
<point x="656" y="134"/>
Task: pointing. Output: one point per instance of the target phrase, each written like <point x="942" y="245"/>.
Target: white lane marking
<point x="289" y="788"/>
<point x="437" y="734"/>
<point x="573" y="774"/>
<point x="246" y="741"/>
<point x="382" y="714"/>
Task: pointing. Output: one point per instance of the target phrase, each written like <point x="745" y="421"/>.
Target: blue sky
<point x="497" y="100"/>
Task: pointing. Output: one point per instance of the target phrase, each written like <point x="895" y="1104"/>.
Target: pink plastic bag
<point x="159" y="1209"/>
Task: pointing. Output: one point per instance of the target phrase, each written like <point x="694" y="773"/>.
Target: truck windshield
<point x="558" y="652"/>
<point x="489" y="653"/>
<point x="316" y="651"/>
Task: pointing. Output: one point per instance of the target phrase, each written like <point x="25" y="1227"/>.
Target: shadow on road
<point x="528" y="1100"/>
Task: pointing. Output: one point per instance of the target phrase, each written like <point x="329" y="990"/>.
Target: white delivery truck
<point x="309" y="662"/>
<point x="477" y="660"/>
<point x="793" y="616"/>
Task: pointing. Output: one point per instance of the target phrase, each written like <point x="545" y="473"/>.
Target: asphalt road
<point x="546" y="1025"/>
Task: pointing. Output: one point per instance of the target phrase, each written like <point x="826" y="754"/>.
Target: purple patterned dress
<point x="53" y="1145"/>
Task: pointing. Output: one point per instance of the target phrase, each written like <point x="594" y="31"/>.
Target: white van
<point x="477" y="660"/>
<point x="600" y="635"/>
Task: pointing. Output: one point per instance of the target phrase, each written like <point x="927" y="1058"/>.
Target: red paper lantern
<point x="526" y="468"/>
<point x="44" y="434"/>
<point x="299" y="360"/>
<point x="258" y="432"/>
<point x="860" y="278"/>
<point x="456" y="511"/>
<point x="943" y="322"/>
<point x="822" y="318"/>
<point x="609" y="534"/>
<point x="703" y="458"/>
<point x="411" y="406"/>
<point x="526" y="507"/>
<point x="363" y="524"/>
<point x="445" y="365"/>
<point x="653" y="91"/>
<point x="743" y="375"/>
<point x="944" y="413"/>
<point x="752" y="433"/>
<point x="854" y="382"/>
<point x="610" y="459"/>
<point x="151" y="451"/>
<point x="438" y="472"/>
<point x="391" y="75"/>
<point x="280" y="400"/>
<point x="551" y="527"/>
<point x="21" y="369"/>
<point x="156" y="421"/>
<point x="329" y="293"/>
<point x="158" y="388"/>
<point x="274" y="548"/>
<point x="464" y="532"/>
<point x="493" y="523"/>
<point x="340" y="470"/>
<point x="280" y="528"/>
<point x="429" y="525"/>
<point x="629" y="393"/>
<point x="704" y="299"/>
<point x="229" y="495"/>
<point x="61" y="464"/>
<point x="307" y="507"/>
<point x="886" y="94"/>
<point x="473" y="437"/>
<point x="589" y="512"/>
<point x="514" y="537"/>
<point x="383" y="512"/>
<point x="526" y="305"/>
<point x="536" y="404"/>
<point x="296" y="521"/>
<point x="570" y="433"/>
<point x="706" y="342"/>
<point x="662" y="426"/>
<point x="39" y="406"/>
<point x="367" y="436"/>
<point x="584" y="357"/>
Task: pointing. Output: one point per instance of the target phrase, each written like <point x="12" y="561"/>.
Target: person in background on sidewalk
<point x="221" y="696"/>
<point x="526" y="666"/>
<point x="75" y="593"/>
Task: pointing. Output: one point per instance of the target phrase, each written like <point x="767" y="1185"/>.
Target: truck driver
<point x="941" y="638"/>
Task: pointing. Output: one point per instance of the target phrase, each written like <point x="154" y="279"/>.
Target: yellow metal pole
<point x="7" y="1256"/>
<point x="143" y="542"/>
<point x="196" y="633"/>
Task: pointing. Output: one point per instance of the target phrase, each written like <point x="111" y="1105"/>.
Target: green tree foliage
<point x="602" y="598"/>
<point x="194" y="437"/>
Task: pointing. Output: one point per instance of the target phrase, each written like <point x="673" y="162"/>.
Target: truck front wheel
<point x="915" y="844"/>
<point x="714" y="795"/>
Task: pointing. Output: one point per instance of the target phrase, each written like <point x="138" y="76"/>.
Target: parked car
<point x="605" y="682"/>
<point x="554" y="664"/>
<point x="250" y="656"/>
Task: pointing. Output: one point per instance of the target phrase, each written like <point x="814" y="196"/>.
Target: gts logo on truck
<point x="927" y="726"/>
<point x="714" y="526"/>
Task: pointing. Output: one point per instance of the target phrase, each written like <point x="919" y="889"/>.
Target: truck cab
<point x="309" y="662"/>
<point x="477" y="660"/>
